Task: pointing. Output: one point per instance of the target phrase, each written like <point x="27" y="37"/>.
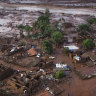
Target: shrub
<point x="83" y="27"/>
<point x="20" y="26"/>
<point x="59" y="74"/>
<point x="47" y="46"/>
<point x="28" y="28"/>
<point x="91" y="20"/>
<point x="88" y="43"/>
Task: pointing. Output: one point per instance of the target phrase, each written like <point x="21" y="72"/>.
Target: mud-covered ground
<point x="67" y="3"/>
<point x="12" y="15"/>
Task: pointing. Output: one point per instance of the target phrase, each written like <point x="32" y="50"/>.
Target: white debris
<point x="47" y="88"/>
<point x="25" y="91"/>
<point x="51" y="57"/>
<point x="42" y="70"/>
<point x="77" y="58"/>
<point x="12" y="50"/>
<point x="38" y="55"/>
<point x="18" y="70"/>
<point x="31" y="71"/>
<point x="21" y="75"/>
<point x="61" y="65"/>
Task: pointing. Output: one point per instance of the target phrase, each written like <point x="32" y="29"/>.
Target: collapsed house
<point x="89" y="56"/>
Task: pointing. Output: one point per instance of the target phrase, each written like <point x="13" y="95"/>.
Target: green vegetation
<point x="20" y="26"/>
<point x="42" y="20"/>
<point x="91" y="21"/>
<point x="59" y="74"/>
<point x="83" y="28"/>
<point x="88" y="43"/>
<point x="22" y="44"/>
<point x="47" y="46"/>
<point x="37" y="36"/>
<point x="27" y="27"/>
<point x="47" y="13"/>
<point x="43" y="24"/>
<point x="57" y="37"/>
<point x="66" y="50"/>
<point x="2" y="83"/>
<point x="41" y="28"/>
<point x="46" y="30"/>
<point x="4" y="92"/>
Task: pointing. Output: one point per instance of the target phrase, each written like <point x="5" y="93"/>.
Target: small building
<point x="32" y="52"/>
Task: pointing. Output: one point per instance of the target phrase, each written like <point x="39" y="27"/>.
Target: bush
<point x="59" y="74"/>
<point x="20" y="26"/>
<point x="28" y="28"/>
<point x="91" y="20"/>
<point x="47" y="46"/>
<point x="57" y="37"/>
<point x="83" y="27"/>
<point x="88" y="43"/>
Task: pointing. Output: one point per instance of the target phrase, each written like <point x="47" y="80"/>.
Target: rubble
<point x="64" y="67"/>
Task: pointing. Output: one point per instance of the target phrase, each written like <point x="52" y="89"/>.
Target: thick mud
<point x="12" y="15"/>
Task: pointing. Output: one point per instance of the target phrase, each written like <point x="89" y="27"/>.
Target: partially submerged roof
<point x="72" y="47"/>
<point x="32" y="52"/>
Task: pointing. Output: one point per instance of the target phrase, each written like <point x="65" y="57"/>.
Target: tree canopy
<point x="91" y="21"/>
<point x="47" y="46"/>
<point x="57" y="37"/>
<point x="88" y="43"/>
<point x="83" y="27"/>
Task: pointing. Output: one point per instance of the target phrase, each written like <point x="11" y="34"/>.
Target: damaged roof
<point x="32" y="52"/>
